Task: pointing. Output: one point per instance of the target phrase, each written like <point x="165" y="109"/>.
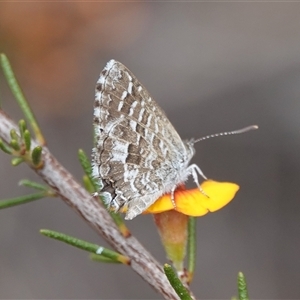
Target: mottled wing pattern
<point x="133" y="154"/>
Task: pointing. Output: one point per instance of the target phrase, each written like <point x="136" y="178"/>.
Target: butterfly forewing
<point x="137" y="153"/>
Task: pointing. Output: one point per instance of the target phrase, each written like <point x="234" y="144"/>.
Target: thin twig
<point x="89" y="208"/>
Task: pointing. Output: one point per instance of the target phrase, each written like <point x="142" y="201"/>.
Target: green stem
<point x="19" y="96"/>
<point x="191" y="246"/>
<point x="177" y="285"/>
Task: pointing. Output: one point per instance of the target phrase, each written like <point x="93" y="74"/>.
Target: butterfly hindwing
<point x="137" y="151"/>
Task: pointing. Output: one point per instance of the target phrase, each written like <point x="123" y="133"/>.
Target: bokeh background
<point x="212" y="67"/>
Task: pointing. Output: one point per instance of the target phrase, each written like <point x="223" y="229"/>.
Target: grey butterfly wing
<point x="133" y="154"/>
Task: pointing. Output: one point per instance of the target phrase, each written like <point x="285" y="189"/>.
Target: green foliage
<point x="87" y="168"/>
<point x="16" y="161"/>
<point x="93" y="248"/>
<point x="175" y="282"/>
<point x="20" y="98"/>
<point x="36" y="155"/>
<point x="21" y="200"/>
<point x="27" y="140"/>
<point x="242" y="287"/>
<point x="191" y="247"/>
<point x="5" y="148"/>
<point x="35" y="185"/>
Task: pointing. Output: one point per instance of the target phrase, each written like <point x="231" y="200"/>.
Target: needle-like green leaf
<point x="175" y="282"/>
<point x="103" y="259"/>
<point x="21" y="200"/>
<point x="93" y="248"/>
<point x="16" y="161"/>
<point x="15" y="145"/>
<point x="27" y="139"/>
<point x="35" y="185"/>
<point x="87" y="168"/>
<point x="5" y="148"/>
<point x="20" y="98"/>
<point x="36" y="156"/>
<point x="22" y="127"/>
<point x="242" y="287"/>
<point x="14" y="135"/>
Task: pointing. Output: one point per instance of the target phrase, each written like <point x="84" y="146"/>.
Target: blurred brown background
<point x="212" y="67"/>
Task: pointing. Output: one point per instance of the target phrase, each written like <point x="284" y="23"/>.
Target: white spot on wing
<point x="124" y="95"/>
<point x="110" y="64"/>
<point x="149" y="120"/>
<point x="101" y="80"/>
<point x="130" y="87"/>
<point x="129" y="77"/>
<point x="141" y="114"/>
<point x="95" y="171"/>
<point x="130" y="174"/>
<point x="133" y="106"/>
<point x="155" y="127"/>
<point x="120" y="105"/>
<point x="97" y="111"/>
<point x="122" y="148"/>
<point x="98" y="96"/>
<point x="132" y="125"/>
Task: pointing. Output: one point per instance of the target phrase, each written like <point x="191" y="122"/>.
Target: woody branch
<point x="90" y="209"/>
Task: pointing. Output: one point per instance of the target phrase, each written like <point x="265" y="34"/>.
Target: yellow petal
<point x="194" y="203"/>
<point x="189" y="202"/>
<point x="163" y="203"/>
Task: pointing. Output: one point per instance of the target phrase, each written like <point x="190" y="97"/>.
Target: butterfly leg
<point x="192" y="170"/>
<point x="196" y="168"/>
<point x="172" y="196"/>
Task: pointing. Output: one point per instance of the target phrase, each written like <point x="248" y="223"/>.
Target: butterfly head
<point x="190" y="150"/>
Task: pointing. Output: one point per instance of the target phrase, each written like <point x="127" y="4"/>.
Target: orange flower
<point x="172" y="220"/>
<point x="193" y="202"/>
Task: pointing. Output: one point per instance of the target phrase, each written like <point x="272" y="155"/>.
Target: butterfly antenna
<point x="246" y="129"/>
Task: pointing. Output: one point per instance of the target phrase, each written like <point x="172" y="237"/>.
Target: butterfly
<point x="138" y="154"/>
